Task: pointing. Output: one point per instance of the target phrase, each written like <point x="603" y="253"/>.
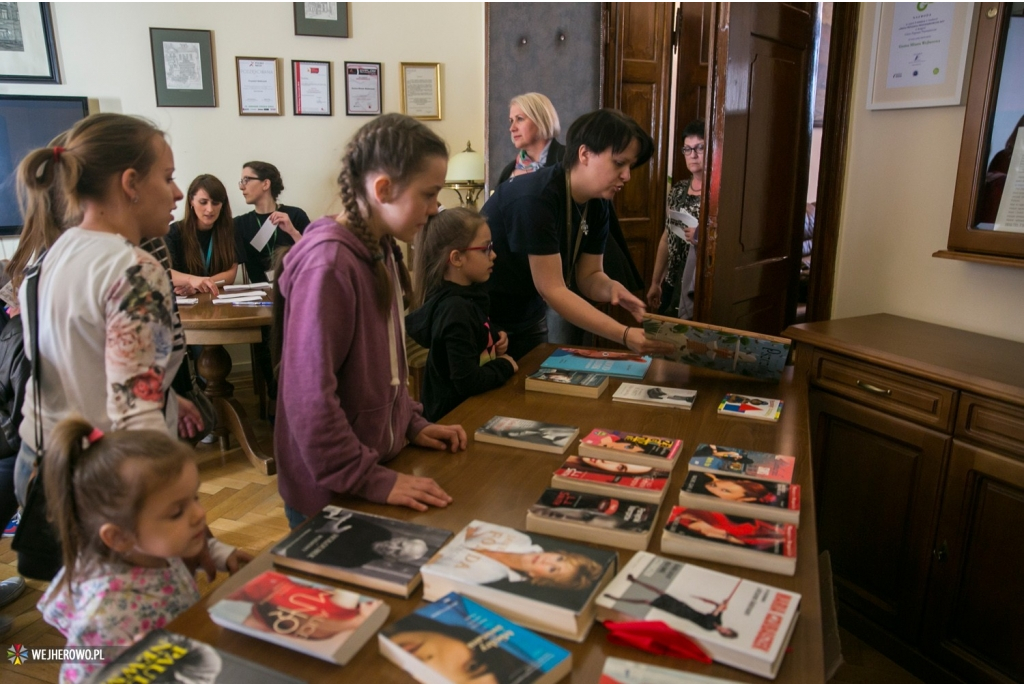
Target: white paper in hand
<point x="679" y="218"/>
<point x="262" y="236"/>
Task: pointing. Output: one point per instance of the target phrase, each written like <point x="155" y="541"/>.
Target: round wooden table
<point x="213" y="326"/>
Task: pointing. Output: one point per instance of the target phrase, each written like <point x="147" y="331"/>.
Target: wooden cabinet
<point x="918" y="448"/>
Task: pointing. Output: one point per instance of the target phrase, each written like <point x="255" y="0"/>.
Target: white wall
<point x="899" y="195"/>
<point x="105" y="54"/>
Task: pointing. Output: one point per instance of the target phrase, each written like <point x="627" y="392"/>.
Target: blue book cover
<point x="461" y="641"/>
<point x="622" y="364"/>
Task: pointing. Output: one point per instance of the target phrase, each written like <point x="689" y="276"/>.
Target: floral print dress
<point x="115" y="606"/>
<point x="679" y="198"/>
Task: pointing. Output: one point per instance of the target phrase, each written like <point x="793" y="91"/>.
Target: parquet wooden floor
<point x="242" y="509"/>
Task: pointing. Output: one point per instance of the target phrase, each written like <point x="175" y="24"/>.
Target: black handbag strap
<point x="32" y="306"/>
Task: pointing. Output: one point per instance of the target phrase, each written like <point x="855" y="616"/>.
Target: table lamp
<point x="466" y="173"/>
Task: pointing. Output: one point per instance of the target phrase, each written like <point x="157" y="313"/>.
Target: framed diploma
<point x="919" y="54"/>
<point x="363" y="89"/>
<point x="421" y="90"/>
<point x="259" y="86"/>
<point x="311" y="88"/>
<point x="183" y="68"/>
<point x="28" y="51"/>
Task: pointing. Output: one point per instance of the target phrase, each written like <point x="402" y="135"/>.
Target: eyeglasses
<point x="486" y="249"/>
<point x="245" y="179"/>
<point x="696" y="149"/>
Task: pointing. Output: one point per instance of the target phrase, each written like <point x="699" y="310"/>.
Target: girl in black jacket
<point x="454" y="258"/>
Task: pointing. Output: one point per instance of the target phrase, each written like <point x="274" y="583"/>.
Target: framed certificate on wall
<point x="421" y="90"/>
<point x="259" y="86"/>
<point x="363" y="89"/>
<point x="311" y="88"/>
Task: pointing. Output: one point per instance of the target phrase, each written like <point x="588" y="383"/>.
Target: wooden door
<point x="695" y="25"/>
<point x="976" y="598"/>
<point x="877" y="487"/>
<point x="637" y="79"/>
<point x="758" y="151"/>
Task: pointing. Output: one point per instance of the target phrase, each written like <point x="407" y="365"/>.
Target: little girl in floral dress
<point x="127" y="509"/>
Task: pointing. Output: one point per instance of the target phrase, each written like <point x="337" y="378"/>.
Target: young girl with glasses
<point x="468" y="355"/>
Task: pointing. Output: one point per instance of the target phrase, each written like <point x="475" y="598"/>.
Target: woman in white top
<point x="106" y="334"/>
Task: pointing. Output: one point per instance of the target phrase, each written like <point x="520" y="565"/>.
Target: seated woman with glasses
<point x="468" y="355"/>
<point x="676" y="261"/>
<point x="261" y="185"/>
<point x="202" y="246"/>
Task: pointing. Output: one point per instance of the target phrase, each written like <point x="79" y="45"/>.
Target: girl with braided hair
<point x="343" y="406"/>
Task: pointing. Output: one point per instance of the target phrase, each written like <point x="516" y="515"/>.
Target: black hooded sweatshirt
<point x="453" y="324"/>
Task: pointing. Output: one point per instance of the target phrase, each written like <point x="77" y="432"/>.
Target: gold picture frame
<point x="259" y="86"/>
<point x="421" y="90"/>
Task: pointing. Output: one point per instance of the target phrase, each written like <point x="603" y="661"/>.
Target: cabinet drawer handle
<point x="874" y="388"/>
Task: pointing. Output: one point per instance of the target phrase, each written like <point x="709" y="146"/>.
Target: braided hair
<point x="398" y="146"/>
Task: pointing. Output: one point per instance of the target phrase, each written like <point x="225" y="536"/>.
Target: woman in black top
<point x="202" y="246"/>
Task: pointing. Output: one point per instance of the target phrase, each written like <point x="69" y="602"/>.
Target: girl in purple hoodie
<point x="343" y="406"/>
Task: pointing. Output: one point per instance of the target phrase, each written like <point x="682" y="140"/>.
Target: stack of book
<point x="622" y="364"/>
<point x="631" y="448"/>
<point x="748" y="407"/>
<point x="527" y="434"/>
<point x="612" y="478"/>
<point x="593" y="518"/>
<point x="655" y="396"/>
<point x="573" y="383"/>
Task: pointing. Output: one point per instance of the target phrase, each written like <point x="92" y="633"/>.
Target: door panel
<point x="695" y="32"/>
<point x="758" y="156"/>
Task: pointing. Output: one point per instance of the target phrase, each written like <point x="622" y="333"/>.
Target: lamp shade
<point x="466" y="167"/>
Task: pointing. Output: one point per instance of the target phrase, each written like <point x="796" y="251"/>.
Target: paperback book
<point x="573" y="383"/>
<point x="612" y="478"/>
<point x="624" y="671"/>
<point x="527" y="434"/>
<point x="740" y="623"/>
<point x="593" y="518"/>
<point x="606" y="362"/>
<point x="631" y="448"/>
<point x="757" y="408"/>
<point x="165" y="657"/>
<point x="752" y="355"/>
<point x="374" y="552"/>
<point x="778" y="502"/>
<point x="655" y="396"/>
<point x="456" y="640"/>
<point x="322" y="621"/>
<point x="733" y="461"/>
<point x="546" y="584"/>
<point x="714" y="536"/>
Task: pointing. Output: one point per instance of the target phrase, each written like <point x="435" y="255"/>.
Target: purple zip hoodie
<point x="342" y="403"/>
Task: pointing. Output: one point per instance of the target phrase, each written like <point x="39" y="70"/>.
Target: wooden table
<point x="213" y="326"/>
<point x="498" y="484"/>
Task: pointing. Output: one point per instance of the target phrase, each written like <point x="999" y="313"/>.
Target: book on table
<point x="546" y="584"/>
<point x="655" y="396"/>
<point x="527" y="434"/>
<point x="631" y="448"/>
<point x="753" y="355"/>
<point x="323" y="621"/>
<point x="733" y="461"/>
<point x="456" y="640"/>
<point x="718" y="537"/>
<point x="778" y="502"/>
<point x="573" y="383"/>
<point x="625" y="671"/>
<point x="374" y="552"/>
<point x="748" y="407"/>
<point x="166" y="657"/>
<point x="593" y="518"/>
<point x="738" y="622"/>
<point x="612" y="478"/>
<point x="621" y="364"/>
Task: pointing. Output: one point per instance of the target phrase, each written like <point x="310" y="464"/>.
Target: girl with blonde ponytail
<point x="343" y="406"/>
<point x="126" y="507"/>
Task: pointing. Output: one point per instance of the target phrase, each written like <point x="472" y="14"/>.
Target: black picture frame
<point x="337" y="28"/>
<point x="297" y="65"/>
<point x="206" y="95"/>
<point x="350" y="108"/>
<point x="42" y="50"/>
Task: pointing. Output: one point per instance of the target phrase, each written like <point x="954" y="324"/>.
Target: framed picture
<point x="28" y="51"/>
<point x="311" y="88"/>
<point x="919" y="54"/>
<point x="259" y="86"/>
<point x="328" y="19"/>
<point x="183" y="68"/>
<point x="363" y="88"/>
<point x="421" y="90"/>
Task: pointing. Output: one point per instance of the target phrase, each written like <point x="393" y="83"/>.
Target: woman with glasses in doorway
<point x="675" y="265"/>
